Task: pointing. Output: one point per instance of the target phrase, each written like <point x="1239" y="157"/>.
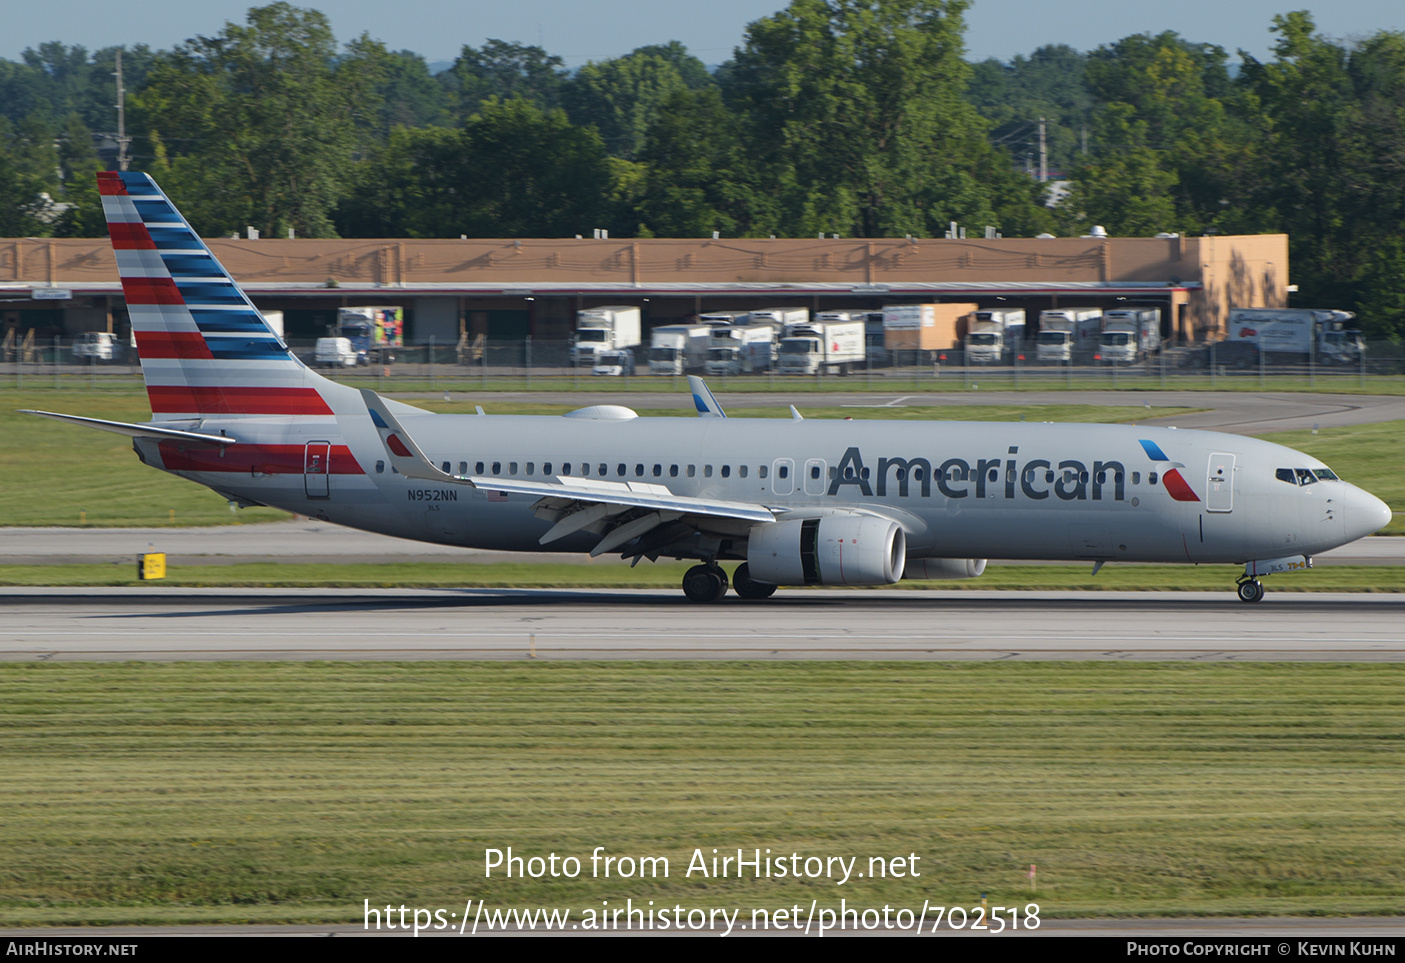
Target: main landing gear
<point x="705" y="583"/>
<point x="1250" y="590"/>
<point x="708" y="583"/>
<point x="749" y="588"/>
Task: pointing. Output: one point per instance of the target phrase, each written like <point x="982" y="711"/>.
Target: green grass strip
<point x="268" y="792"/>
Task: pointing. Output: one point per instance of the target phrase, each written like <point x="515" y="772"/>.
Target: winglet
<point x="703" y="399"/>
<point x="405" y="456"/>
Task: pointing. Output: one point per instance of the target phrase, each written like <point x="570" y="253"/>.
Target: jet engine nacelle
<point x="934" y="569"/>
<point x="831" y="550"/>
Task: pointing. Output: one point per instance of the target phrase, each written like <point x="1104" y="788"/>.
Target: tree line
<point x="850" y="117"/>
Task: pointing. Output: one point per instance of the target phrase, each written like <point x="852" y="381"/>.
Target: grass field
<point x="294" y="791"/>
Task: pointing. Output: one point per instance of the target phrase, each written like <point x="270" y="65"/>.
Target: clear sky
<point x="582" y="30"/>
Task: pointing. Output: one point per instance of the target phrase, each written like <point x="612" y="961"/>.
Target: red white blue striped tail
<point x="205" y="350"/>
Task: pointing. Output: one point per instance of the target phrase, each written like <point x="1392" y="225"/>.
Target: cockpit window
<point x="1305" y="476"/>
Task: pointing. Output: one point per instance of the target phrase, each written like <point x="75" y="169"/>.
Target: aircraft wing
<point x="575" y="504"/>
<point x="139" y="431"/>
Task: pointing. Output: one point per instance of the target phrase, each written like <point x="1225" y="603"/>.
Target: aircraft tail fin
<point x="204" y="348"/>
<point x="703" y="399"/>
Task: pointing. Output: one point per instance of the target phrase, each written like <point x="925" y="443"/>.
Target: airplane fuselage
<point x="960" y="489"/>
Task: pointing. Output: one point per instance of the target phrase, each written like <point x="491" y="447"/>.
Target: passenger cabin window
<point x="692" y="471"/>
<point x="497" y="468"/>
<point x="1151" y="478"/>
<point x="1136" y="478"/>
<point x="478" y="468"/>
<point x="565" y="468"/>
<point x="672" y="471"/>
<point x="761" y="472"/>
<point x="380" y="467"/>
<point x="463" y="468"/>
<point x="783" y="471"/>
<point x="512" y="468"/>
<point x="546" y="468"/>
<point x="707" y="471"/>
<point x="741" y="471"/>
<point x="726" y="471"/>
<point x="658" y="471"/>
<point x="445" y="466"/>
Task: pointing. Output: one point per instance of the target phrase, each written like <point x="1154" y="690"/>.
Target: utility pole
<point x="122" y="139"/>
<point x="1043" y="154"/>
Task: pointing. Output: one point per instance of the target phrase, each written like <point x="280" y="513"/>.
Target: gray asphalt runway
<point x="153" y="623"/>
<point x="308" y="540"/>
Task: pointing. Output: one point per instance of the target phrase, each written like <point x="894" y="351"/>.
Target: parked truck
<point x="995" y="334"/>
<point x="875" y="351"/>
<point x="926" y="327"/>
<point x="375" y="333"/>
<point x="742" y="350"/>
<point x="724" y="319"/>
<point x="833" y="347"/>
<point x="604" y="329"/>
<point x="1129" y="335"/>
<point x="676" y="349"/>
<point x="1298" y="334"/>
<point x="783" y="319"/>
<point x="1066" y="333"/>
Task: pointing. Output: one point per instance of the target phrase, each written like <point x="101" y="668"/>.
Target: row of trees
<point x="853" y="117"/>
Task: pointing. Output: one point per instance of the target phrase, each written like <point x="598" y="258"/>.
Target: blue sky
<point x="597" y="30"/>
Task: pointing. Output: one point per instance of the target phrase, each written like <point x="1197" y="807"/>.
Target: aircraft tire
<point x="1251" y="590"/>
<point x="748" y="588"/>
<point x="704" y="583"/>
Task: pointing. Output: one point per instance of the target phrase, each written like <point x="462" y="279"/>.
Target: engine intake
<point x="831" y="550"/>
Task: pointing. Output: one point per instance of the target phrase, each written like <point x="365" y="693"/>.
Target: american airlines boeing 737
<point x="796" y="502"/>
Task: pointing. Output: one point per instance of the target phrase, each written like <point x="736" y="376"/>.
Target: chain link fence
<point x="546" y="365"/>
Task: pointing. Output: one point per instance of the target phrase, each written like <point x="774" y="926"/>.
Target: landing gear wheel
<point x="748" y="588"/>
<point x="704" y="583"/>
<point x="1251" y="590"/>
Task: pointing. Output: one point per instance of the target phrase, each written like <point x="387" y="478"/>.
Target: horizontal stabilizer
<point x="139" y="431"/>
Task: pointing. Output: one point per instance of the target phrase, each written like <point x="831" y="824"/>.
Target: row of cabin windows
<point x="955" y="474"/>
<point x="621" y="470"/>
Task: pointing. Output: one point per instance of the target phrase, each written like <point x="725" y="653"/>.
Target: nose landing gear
<point x="1250" y="590"/>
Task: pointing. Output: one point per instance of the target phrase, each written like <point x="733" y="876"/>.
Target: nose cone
<point x="1365" y="513"/>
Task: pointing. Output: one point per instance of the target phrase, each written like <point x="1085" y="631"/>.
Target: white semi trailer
<point x="604" y="329"/>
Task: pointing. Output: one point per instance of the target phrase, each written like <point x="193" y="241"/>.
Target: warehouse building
<point x="458" y="290"/>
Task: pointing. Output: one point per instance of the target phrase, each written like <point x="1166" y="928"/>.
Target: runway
<point x="168" y="624"/>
